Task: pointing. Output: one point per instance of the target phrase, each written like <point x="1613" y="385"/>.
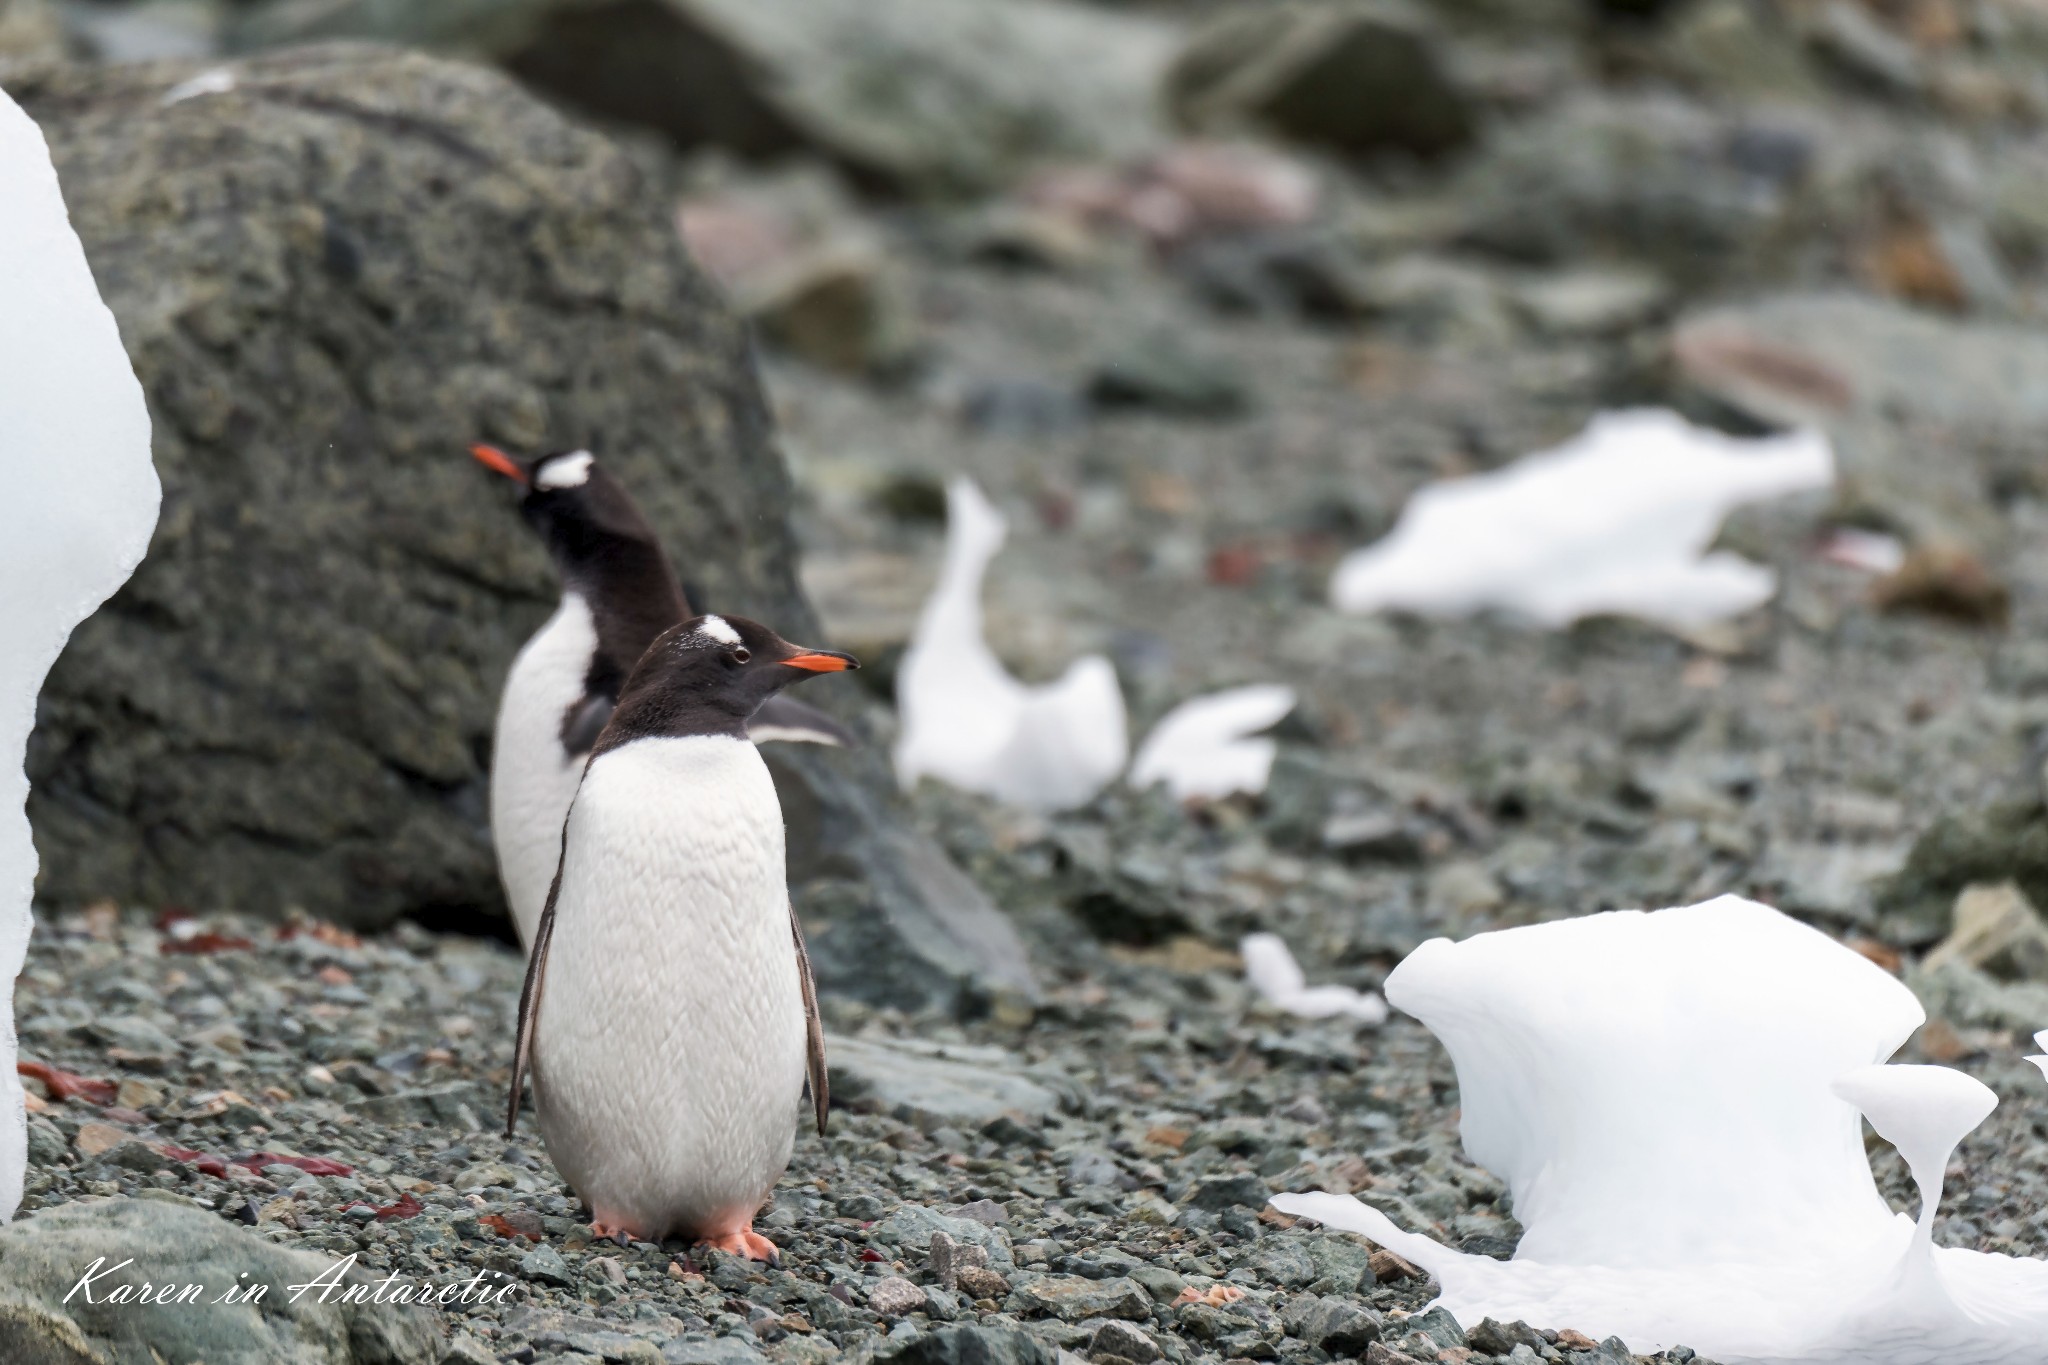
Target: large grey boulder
<point x="331" y="277"/>
<point x="43" y="1257"/>
<point x="929" y="95"/>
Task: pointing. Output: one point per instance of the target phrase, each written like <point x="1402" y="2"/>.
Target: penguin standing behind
<point x="618" y="593"/>
<point x="668" y="1012"/>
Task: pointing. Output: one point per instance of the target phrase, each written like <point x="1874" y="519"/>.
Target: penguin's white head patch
<point x="717" y="628"/>
<point x="565" y="471"/>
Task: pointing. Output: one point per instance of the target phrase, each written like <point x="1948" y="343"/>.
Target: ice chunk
<point x="1561" y="1087"/>
<point x="1274" y="974"/>
<point x="1209" y="747"/>
<point x="1924" y="1111"/>
<point x="81" y="503"/>
<point x="1617" y="520"/>
<point x="1672" y="1099"/>
<point x="966" y="721"/>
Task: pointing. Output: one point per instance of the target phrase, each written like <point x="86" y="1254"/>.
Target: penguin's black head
<point x="708" y="675"/>
<point x="580" y="510"/>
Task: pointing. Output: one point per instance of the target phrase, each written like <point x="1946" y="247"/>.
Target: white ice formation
<point x="1614" y="521"/>
<point x="1276" y="976"/>
<point x="1673" y="1101"/>
<point x="80" y="506"/>
<point x="1209" y="747"/>
<point x="966" y="721"/>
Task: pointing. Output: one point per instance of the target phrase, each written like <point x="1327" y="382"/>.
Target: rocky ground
<point x="1759" y="214"/>
<point x="1089" y="1176"/>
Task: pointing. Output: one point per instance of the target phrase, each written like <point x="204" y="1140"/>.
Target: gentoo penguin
<point x="668" y="1011"/>
<point x="618" y="593"/>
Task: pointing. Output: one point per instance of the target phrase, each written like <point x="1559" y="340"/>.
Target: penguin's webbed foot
<point x="745" y="1242"/>
<point x="610" y="1232"/>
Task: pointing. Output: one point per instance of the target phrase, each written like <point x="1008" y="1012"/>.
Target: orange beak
<point x="822" y="661"/>
<point x="492" y="458"/>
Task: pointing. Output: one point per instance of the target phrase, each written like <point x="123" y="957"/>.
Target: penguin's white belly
<point x="532" y="779"/>
<point x="669" y="1052"/>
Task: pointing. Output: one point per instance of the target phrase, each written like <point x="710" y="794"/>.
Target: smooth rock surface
<point x="42" y="1258"/>
<point x="964" y="1086"/>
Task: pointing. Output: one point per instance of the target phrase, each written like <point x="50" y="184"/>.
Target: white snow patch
<point x="564" y="471"/>
<point x="1673" y="1099"/>
<point x="1209" y="747"/>
<point x="81" y="502"/>
<point x="968" y="722"/>
<point x="1617" y="520"/>
<point x="1275" y="975"/>
<point x="219" y="81"/>
<point x="719" y="629"/>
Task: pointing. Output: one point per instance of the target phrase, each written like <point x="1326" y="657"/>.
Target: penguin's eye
<point x="741" y="654"/>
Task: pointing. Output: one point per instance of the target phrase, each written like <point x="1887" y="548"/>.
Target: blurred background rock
<point x="1200" y="292"/>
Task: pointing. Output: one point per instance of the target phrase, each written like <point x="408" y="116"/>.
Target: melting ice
<point x="1674" y="1100"/>
<point x="1209" y="747"/>
<point x="966" y="721"/>
<point x="81" y="503"/>
<point x="1616" y="520"/>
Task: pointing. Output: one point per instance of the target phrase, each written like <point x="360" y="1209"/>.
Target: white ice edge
<point x="82" y="500"/>
<point x="1270" y="968"/>
<point x="1209" y="747"/>
<point x="1675" y="1102"/>
<point x="1616" y="520"/>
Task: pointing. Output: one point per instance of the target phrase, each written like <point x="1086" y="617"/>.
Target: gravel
<point x="1125" y="1224"/>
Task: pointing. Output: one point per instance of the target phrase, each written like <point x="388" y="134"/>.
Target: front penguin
<point x="668" y="1014"/>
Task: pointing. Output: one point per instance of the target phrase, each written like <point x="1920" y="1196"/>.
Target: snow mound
<point x="1209" y="747"/>
<point x="1680" y="1131"/>
<point x="81" y="503"/>
<point x="1615" y="521"/>
<point x="968" y="722"/>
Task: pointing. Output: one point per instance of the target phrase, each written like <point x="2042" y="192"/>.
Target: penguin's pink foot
<point x="744" y="1242"/>
<point x="611" y="1232"/>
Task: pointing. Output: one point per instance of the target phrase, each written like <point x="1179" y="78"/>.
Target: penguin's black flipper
<point x="585" y="722"/>
<point x="789" y="720"/>
<point x="530" y="992"/>
<point x="814" y="1028"/>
